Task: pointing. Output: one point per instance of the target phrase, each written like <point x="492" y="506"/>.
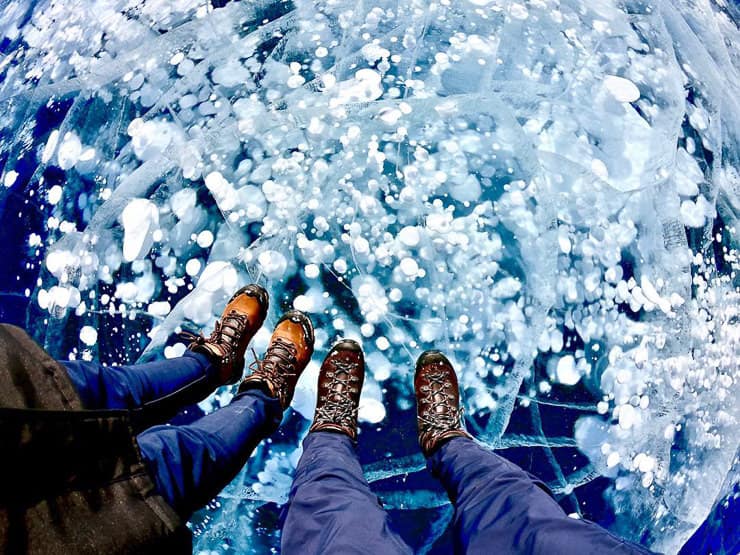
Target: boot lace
<point x="432" y="421"/>
<point x="339" y="405"/>
<point x="278" y="366"/>
<point x="225" y="333"/>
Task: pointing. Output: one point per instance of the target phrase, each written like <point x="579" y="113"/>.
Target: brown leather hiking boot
<point x="340" y="383"/>
<point x="243" y="316"/>
<point x="439" y="416"/>
<point x="288" y="353"/>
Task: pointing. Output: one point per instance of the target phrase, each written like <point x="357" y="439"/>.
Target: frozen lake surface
<point x="548" y="191"/>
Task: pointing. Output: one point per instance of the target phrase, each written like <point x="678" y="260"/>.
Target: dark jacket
<point x="71" y="480"/>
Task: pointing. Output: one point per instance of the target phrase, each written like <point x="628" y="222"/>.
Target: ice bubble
<point x="174" y="351"/>
<point x="10" y="178"/>
<point x="370" y="297"/>
<point x="506" y="288"/>
<point x="688" y="174"/>
<point x="564" y="243"/>
<point x="439" y="223"/>
<point x="69" y="151"/>
<point x="218" y="275"/>
<point x="139" y="219"/>
<point x="646" y="464"/>
<point x="63" y="297"/>
<point x="626" y="416"/>
<point x="312" y="300"/>
<point x="566" y="371"/>
<point x="692" y="215"/>
<point x="373" y="52"/>
<point x="395" y="295"/>
<point x="467" y="191"/>
<point x="431" y="330"/>
<point x="365" y="86"/>
<point x="312" y="271"/>
<point x="55" y="194"/>
<point x="182" y="202"/>
<point x="272" y="263"/>
<point x="159" y="308"/>
<point x="88" y="335"/>
<point x="192" y="267"/>
<point x="223" y="192"/>
<point x="409" y="236"/>
<point x="231" y="74"/>
<point x="205" y="239"/>
<point x="51" y="146"/>
<point x="371" y="411"/>
<point x="390" y="116"/>
<point x="295" y="81"/>
<point x="361" y="245"/>
<point x="150" y="138"/>
<point x="379" y="365"/>
<point x="409" y="267"/>
<point x="622" y="89"/>
<point x="304" y="400"/>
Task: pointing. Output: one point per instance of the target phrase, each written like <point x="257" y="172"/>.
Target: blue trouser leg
<point x="500" y="508"/>
<point x="190" y="464"/>
<point x="331" y="508"/>
<point x="128" y="387"/>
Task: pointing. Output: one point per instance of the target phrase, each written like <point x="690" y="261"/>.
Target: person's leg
<point x="501" y="508"/>
<point x="498" y="506"/>
<point x="190" y="464"/>
<point x="128" y="387"/>
<point x="331" y="508"/>
<point x="174" y="383"/>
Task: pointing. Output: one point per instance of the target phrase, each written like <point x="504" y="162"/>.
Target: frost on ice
<point x="547" y="191"/>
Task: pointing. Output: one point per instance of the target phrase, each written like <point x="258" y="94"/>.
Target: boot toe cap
<point x="431" y="357"/>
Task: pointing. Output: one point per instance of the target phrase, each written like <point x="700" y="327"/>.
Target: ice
<point x="547" y="191"/>
<point x="566" y="372"/>
<point x="88" y="335"/>
<point x="69" y="151"/>
<point x="10" y="178"/>
<point x="139" y="219"/>
<point x="621" y="89"/>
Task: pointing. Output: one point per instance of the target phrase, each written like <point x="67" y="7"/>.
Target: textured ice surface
<point x="548" y="191"/>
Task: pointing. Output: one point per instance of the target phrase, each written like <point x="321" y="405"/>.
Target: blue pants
<point x="499" y="508"/>
<point x="189" y="464"/>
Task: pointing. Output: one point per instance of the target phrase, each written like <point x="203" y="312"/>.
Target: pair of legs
<point x="189" y="464"/>
<point x="499" y="508"/>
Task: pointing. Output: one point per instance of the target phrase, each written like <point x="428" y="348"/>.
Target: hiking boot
<point x="340" y="383"/>
<point x="439" y="416"/>
<point x="243" y="316"/>
<point x="288" y="353"/>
